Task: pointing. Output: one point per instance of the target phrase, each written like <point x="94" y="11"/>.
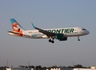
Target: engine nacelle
<point x="61" y="37"/>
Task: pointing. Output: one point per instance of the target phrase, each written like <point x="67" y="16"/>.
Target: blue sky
<point x="48" y="14"/>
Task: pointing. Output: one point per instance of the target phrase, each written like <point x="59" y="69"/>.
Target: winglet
<point x="33" y="25"/>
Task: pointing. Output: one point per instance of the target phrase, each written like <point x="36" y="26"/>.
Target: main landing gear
<point x="78" y="38"/>
<point x="51" y="40"/>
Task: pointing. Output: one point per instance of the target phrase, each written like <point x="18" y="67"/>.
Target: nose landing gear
<point x="78" y="38"/>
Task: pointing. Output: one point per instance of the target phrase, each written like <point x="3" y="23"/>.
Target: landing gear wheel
<point x="52" y="41"/>
<point x="78" y="38"/>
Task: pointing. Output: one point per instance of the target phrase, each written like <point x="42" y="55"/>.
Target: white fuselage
<point x="68" y="32"/>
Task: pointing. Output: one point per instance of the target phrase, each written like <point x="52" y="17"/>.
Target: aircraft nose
<point x="86" y="32"/>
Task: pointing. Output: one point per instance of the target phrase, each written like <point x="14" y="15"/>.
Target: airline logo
<point x="17" y="29"/>
<point x="70" y="30"/>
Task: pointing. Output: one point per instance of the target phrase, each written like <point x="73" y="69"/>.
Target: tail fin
<point x="16" y="27"/>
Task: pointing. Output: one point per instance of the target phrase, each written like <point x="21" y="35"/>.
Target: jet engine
<point x="61" y="37"/>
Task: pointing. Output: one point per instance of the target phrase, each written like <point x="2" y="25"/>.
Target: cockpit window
<point x="83" y="29"/>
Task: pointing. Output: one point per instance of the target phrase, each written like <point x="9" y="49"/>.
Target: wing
<point x="44" y="31"/>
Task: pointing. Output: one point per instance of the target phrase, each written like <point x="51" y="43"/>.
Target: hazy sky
<point x="48" y="14"/>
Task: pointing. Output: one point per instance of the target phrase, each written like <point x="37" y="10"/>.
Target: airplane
<point x="61" y="34"/>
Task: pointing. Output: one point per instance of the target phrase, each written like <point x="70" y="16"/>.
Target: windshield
<point x="83" y="29"/>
